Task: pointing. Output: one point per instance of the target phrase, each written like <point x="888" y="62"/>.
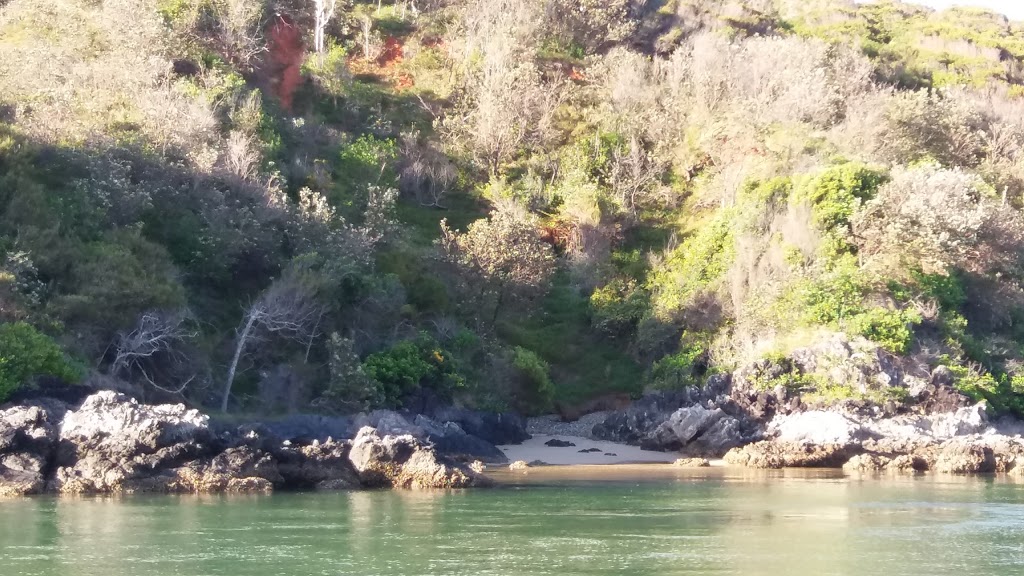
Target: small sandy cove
<point x="608" y="452"/>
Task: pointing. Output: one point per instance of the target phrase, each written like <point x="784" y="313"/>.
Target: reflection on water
<point x="646" y="520"/>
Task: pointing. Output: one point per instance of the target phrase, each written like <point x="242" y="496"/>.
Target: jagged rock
<point x="907" y="463"/>
<point x="696" y="430"/>
<point x="404" y="462"/>
<point x="496" y="428"/>
<point x="855" y="362"/>
<point x="964" y="421"/>
<point x="238" y="469"/>
<point x="589" y="450"/>
<point x="556" y="443"/>
<point x="816" y="427"/>
<point x="448" y="437"/>
<point x="773" y="454"/>
<point x="634" y="424"/>
<point x="322" y="466"/>
<point x="610" y="454"/>
<point x="112" y="444"/>
<point x="691" y="463"/>
<point x="28" y="440"/>
<point x="867" y="463"/>
<point x="452" y="441"/>
<point x="965" y="457"/>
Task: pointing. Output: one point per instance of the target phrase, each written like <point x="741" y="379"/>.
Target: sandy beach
<point x="607" y="452"/>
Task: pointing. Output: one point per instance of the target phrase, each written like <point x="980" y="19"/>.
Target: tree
<point x="287" y="308"/>
<point x="501" y="259"/>
<point x="370" y="39"/>
<point x="349" y="387"/>
<point x="155" y="334"/>
<point x="323" y="11"/>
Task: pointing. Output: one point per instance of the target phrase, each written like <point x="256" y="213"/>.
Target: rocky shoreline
<point x="111" y="444"/>
<point x="108" y="443"/>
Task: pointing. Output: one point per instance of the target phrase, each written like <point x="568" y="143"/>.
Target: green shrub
<point x="617" y="307"/>
<point x="411" y="364"/>
<point x="947" y="289"/>
<point x="684" y="368"/>
<point x="118" y="278"/>
<point x="26" y="353"/>
<point x="834" y="296"/>
<point x="696" y="265"/>
<point x="836" y="193"/>
<point x="366" y="160"/>
<point x="348" y="386"/>
<point x="539" y="390"/>
<point x="893" y="330"/>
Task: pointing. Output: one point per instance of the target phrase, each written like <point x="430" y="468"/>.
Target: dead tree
<point x="286" y="308"/>
<point x="154" y="334"/>
<point x="323" y="12"/>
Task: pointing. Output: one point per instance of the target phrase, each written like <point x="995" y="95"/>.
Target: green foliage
<point x="424" y="291"/>
<point x="411" y="364"/>
<point x="26" y="353"/>
<point x="947" y="289"/>
<point x="699" y="262"/>
<point x="539" y="390"/>
<point x="684" y="368"/>
<point x="776" y="370"/>
<point x="349" y="387"/>
<point x="365" y="161"/>
<point x="583" y="364"/>
<point x="893" y="330"/>
<point x="118" y="278"/>
<point x="838" y="192"/>
<point x="617" y="307"/>
<point x="834" y="296"/>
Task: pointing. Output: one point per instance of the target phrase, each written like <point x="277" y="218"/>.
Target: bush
<point x="893" y="330"/>
<point x="617" y="307"/>
<point x="539" y="391"/>
<point x="694" y="266"/>
<point x="412" y="364"/>
<point x="684" y="368"/>
<point x="26" y="353"/>
<point x="838" y="192"/>
<point x="349" y="387"/>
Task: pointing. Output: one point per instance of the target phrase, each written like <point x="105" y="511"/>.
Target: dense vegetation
<point x="294" y="205"/>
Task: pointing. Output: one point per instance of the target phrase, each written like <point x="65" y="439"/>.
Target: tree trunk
<point x="234" y="361"/>
<point x="497" y="305"/>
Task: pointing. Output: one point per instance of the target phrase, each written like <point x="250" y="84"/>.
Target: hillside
<point x="286" y="206"/>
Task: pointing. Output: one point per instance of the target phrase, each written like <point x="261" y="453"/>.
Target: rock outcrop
<point x="28" y="441"/>
<point x="699" y="422"/>
<point x="111" y="444"/>
<point x="462" y="434"/>
<point x="403" y="462"/>
<point x="772" y="454"/>
<point x="960" y="442"/>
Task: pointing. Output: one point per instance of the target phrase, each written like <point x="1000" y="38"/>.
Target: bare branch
<point x="287" y="308"/>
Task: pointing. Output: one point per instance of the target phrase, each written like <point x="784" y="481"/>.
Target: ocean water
<point x="632" y="520"/>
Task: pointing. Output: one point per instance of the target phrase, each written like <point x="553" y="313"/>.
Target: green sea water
<point x="636" y="521"/>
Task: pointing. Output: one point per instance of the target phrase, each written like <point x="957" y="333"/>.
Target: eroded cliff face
<point x="112" y="444"/>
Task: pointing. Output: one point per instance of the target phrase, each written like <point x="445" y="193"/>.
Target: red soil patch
<point x="387" y="66"/>
<point x="285" y="53"/>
